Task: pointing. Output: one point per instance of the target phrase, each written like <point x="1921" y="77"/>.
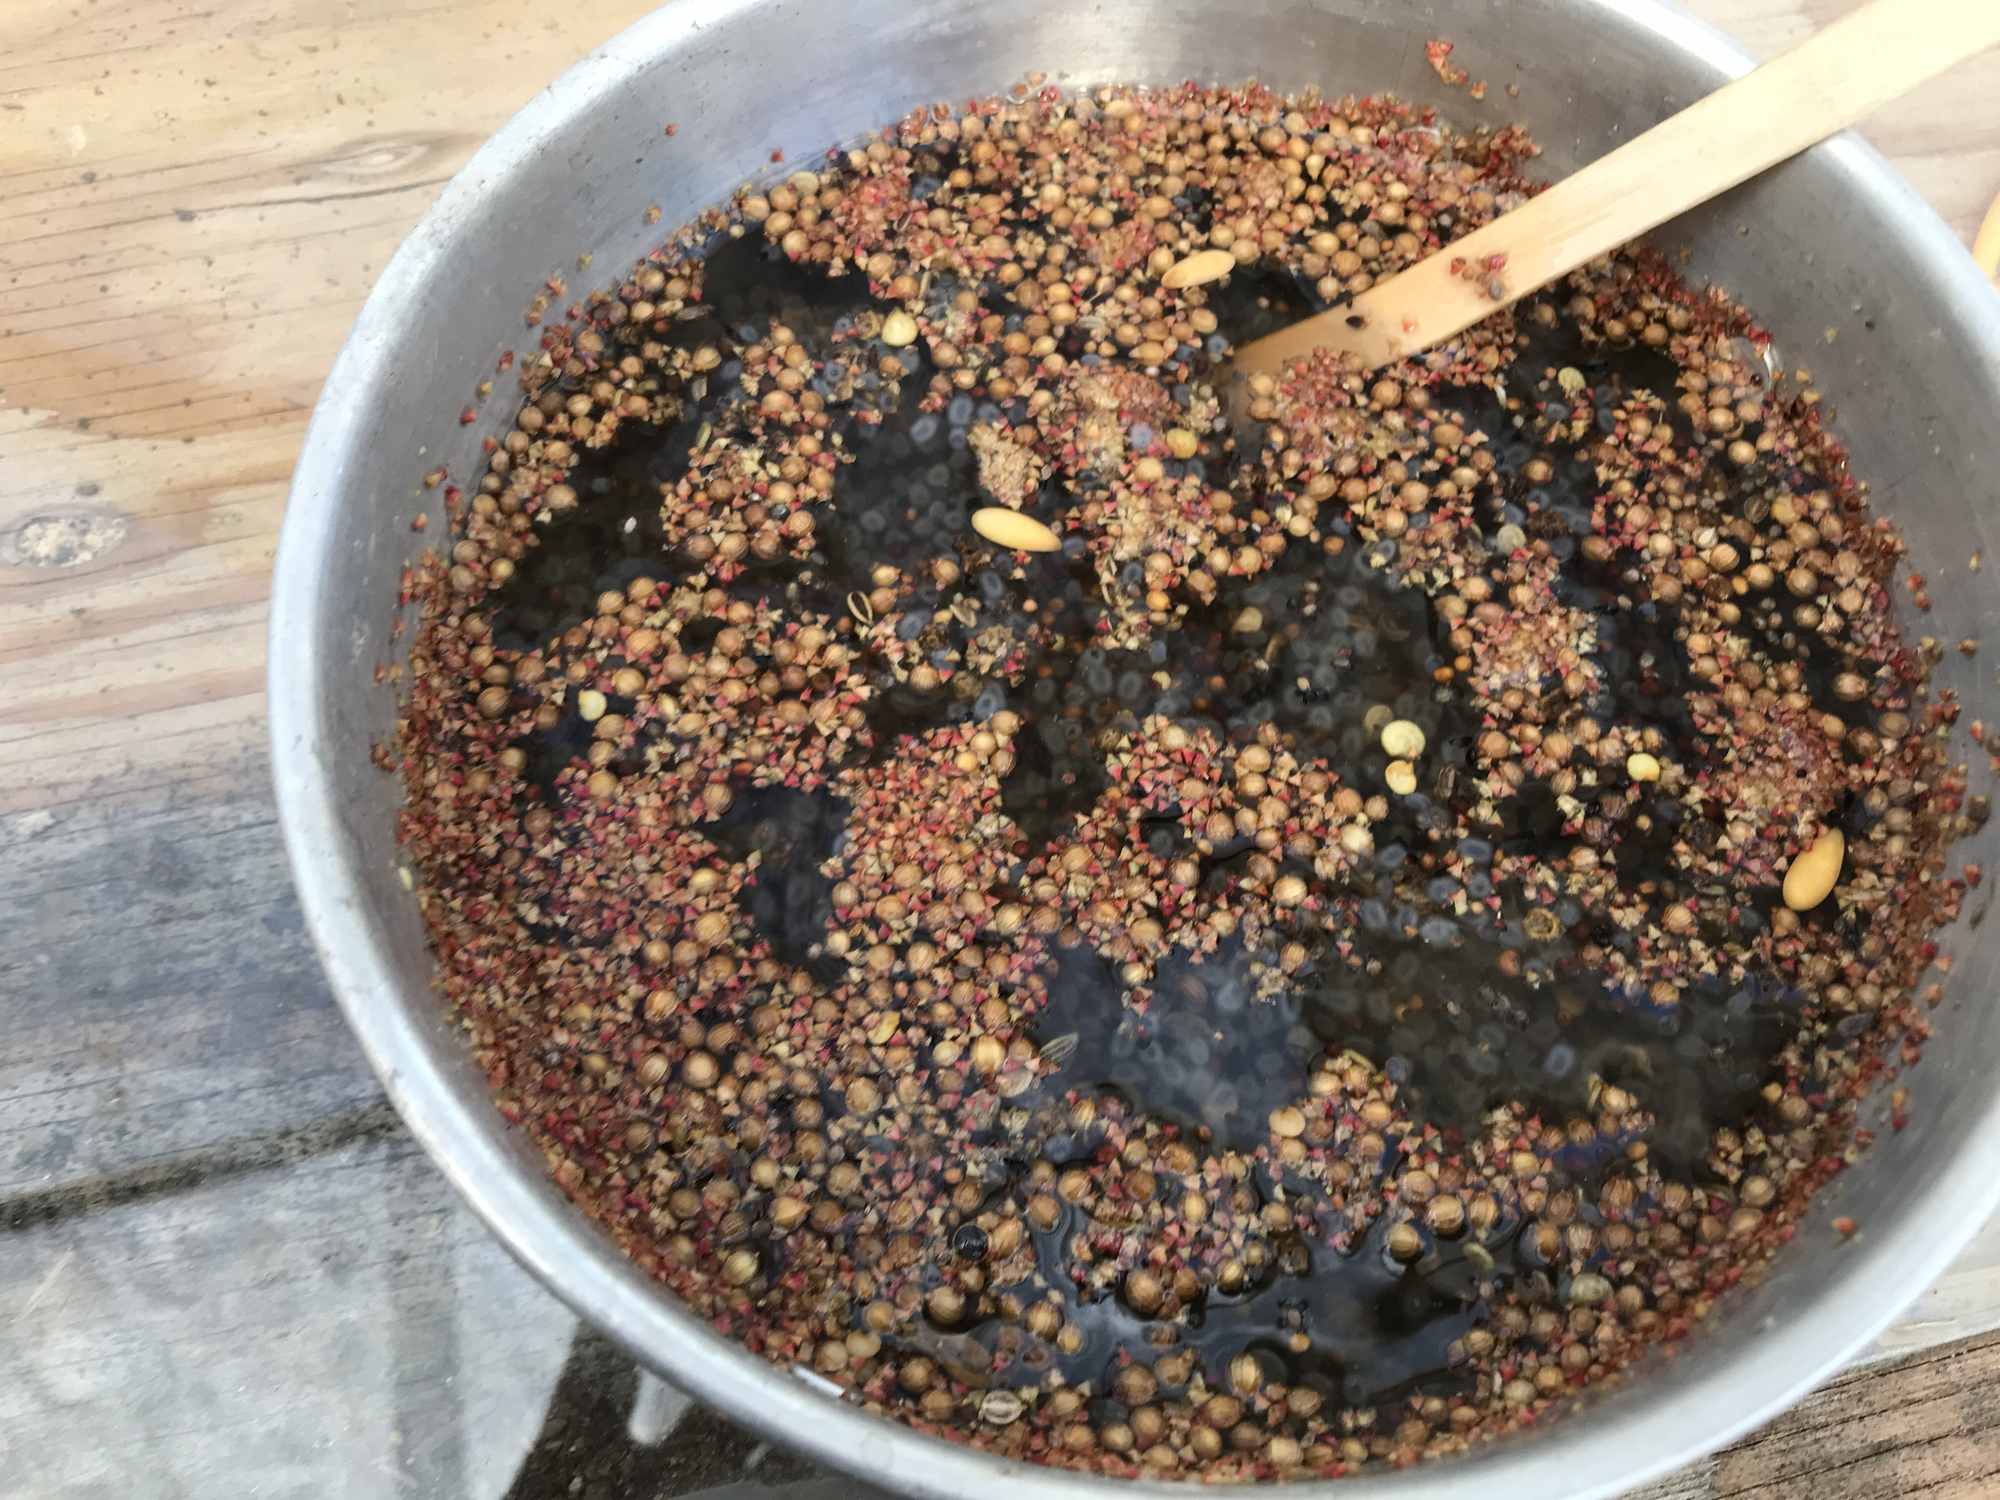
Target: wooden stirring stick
<point x="1986" y="243"/>
<point x="1821" y="86"/>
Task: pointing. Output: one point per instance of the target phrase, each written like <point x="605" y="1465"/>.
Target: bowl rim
<point x="569" y="1254"/>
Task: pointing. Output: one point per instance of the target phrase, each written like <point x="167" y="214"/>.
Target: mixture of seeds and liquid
<point x="1151" y="933"/>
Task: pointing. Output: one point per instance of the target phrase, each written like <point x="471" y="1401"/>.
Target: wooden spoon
<point x="1819" y="87"/>
<point x="1986" y="243"/>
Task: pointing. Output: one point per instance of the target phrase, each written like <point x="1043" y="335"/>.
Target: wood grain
<point x="1927" y="1425"/>
<point x="162" y="999"/>
<point x="209" y="1216"/>
<point x="196" y="199"/>
<point x="342" y="1325"/>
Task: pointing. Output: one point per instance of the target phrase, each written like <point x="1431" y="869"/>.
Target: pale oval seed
<point x="590" y="703"/>
<point x="1401" y="776"/>
<point x="1642" y="767"/>
<point x="1811" y="878"/>
<point x="1201" y="267"/>
<point x="1001" y="1408"/>
<point x="899" y="329"/>
<point x="1402" y="740"/>
<point x="1011" y="529"/>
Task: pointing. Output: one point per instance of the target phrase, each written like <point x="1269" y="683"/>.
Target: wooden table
<point x="224" y="1268"/>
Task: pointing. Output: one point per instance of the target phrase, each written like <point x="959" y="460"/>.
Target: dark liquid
<point x="788" y="899"/>
<point x="1423" y="993"/>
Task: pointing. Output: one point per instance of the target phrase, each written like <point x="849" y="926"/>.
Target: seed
<point x="1811" y="877"/>
<point x="700" y="1069"/>
<point x="1198" y="269"/>
<point x="863" y="1345"/>
<point x="863" y="1098"/>
<point x="1445" y="1215"/>
<point x="880" y="1316"/>
<point x="1221" y="1412"/>
<point x="1144" y="1291"/>
<point x="1134" y="1385"/>
<point x="1588" y="1289"/>
<point x="1402" y="740"/>
<point x="1245" y="1374"/>
<point x="1288" y="1122"/>
<point x="1001" y="1408"/>
<point x="1010" y="529"/>
<point x="746" y="1105"/>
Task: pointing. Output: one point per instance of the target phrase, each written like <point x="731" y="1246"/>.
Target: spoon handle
<point x="1825" y="83"/>
<point x="1986" y="244"/>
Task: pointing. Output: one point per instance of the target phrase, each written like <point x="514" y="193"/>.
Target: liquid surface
<point x="1044" y="991"/>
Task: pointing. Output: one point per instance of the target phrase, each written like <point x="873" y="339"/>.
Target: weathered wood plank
<point x="1926" y="1424"/>
<point x="162" y="999"/>
<point x="337" y="1325"/>
<point x="340" y="1324"/>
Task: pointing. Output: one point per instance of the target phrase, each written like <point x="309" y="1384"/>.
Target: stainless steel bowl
<point x="1833" y="241"/>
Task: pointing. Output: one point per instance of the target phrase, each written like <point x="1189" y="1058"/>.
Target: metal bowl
<point x="1833" y="243"/>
